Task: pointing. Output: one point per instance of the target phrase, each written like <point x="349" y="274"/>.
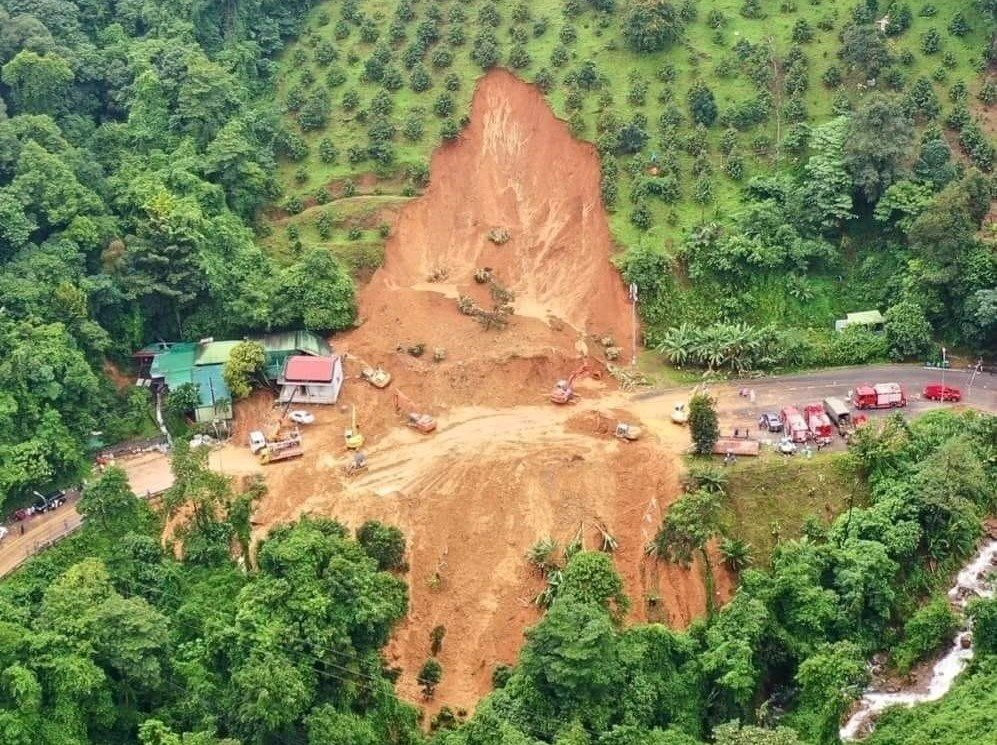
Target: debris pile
<point x="498" y="236"/>
<point x="629" y="380"/>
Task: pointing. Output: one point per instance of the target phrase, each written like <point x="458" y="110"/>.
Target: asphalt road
<point x="771" y="394"/>
<point x="40" y="531"/>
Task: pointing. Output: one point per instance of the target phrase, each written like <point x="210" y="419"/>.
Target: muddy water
<point x="975" y="580"/>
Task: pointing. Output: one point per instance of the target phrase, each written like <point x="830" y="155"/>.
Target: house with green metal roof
<point x="172" y="364"/>
<point x="279" y="346"/>
<point x="182" y="363"/>
<point x="870" y="319"/>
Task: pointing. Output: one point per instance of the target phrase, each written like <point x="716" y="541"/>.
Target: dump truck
<point x="879" y="396"/>
<point x="838" y="412"/>
<point x="818" y="423"/>
<point x="793" y="424"/>
<point x="284" y="449"/>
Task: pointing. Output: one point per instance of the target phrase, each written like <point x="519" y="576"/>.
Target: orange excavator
<point x="422" y="422"/>
<point x="564" y="391"/>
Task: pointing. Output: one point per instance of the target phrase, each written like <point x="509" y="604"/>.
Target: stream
<point x="973" y="581"/>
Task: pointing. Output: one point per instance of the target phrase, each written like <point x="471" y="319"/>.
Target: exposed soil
<point x="505" y="467"/>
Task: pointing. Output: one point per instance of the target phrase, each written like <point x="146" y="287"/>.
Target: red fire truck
<point x="793" y="424"/>
<point x="879" y="396"/>
<point x="818" y="423"/>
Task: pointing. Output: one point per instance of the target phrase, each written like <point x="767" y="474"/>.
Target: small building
<point x="169" y="365"/>
<point x="179" y="364"/>
<point x="311" y="380"/>
<point x="279" y="346"/>
<point x="871" y="319"/>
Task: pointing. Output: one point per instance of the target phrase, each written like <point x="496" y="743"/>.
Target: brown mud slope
<point x="515" y="167"/>
<point x="505" y="467"/>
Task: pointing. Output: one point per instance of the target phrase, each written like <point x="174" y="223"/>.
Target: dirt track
<point x="506" y="467"/>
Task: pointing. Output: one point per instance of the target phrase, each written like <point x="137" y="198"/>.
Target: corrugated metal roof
<point x="214" y="352"/>
<point x="178" y="360"/>
<point x="211" y="384"/>
<point x="295" y="341"/>
<point x="305" y="369"/>
<point x="865" y="317"/>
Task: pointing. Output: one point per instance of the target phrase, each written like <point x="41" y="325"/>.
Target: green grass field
<point x="771" y="497"/>
<point x="598" y="38"/>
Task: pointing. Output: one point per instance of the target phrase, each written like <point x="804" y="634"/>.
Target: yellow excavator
<point x="353" y="436"/>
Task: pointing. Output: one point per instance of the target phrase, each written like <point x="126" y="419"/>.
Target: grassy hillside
<point x="553" y="40"/>
<point x="771" y="498"/>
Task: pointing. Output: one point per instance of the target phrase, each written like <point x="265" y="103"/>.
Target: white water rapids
<point x="973" y="581"/>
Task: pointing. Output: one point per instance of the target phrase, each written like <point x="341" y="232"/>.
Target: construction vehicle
<point x="353" y="436"/>
<point x="422" y="422"/>
<point x="879" y="396"/>
<point x="628" y="432"/>
<point x="680" y="415"/>
<point x="564" y="391"/>
<point x="376" y="376"/>
<point x="818" y="423"/>
<point x="257" y="441"/>
<point x="794" y="424"/>
<point x="356" y="464"/>
<point x="283" y="449"/>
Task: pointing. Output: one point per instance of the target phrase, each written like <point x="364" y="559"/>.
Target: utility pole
<point x="977" y="369"/>
<point x="943" y="374"/>
<point x="633" y="323"/>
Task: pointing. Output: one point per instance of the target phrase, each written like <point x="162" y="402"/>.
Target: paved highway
<point x="772" y="393"/>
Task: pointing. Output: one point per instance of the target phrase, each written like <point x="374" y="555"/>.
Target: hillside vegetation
<point x="782" y="150"/>
<point x="110" y="638"/>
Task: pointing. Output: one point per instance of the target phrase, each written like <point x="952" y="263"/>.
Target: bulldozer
<point x="422" y="422"/>
<point x="564" y="390"/>
<point x="355" y="465"/>
<point x="376" y="376"/>
<point x="353" y="436"/>
<point x="629" y="432"/>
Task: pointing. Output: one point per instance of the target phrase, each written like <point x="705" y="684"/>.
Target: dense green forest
<point x="134" y="153"/>
<point x="109" y="638"/>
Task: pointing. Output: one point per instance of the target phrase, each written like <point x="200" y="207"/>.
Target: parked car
<point x="770" y="422"/>
<point x="3" y="532"/>
<point x="939" y="392"/>
<point x="300" y="416"/>
<point x="786" y="446"/>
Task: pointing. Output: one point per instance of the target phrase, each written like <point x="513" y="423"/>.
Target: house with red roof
<point x="311" y="380"/>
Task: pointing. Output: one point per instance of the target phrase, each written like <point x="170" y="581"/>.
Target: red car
<point x="939" y="392"/>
